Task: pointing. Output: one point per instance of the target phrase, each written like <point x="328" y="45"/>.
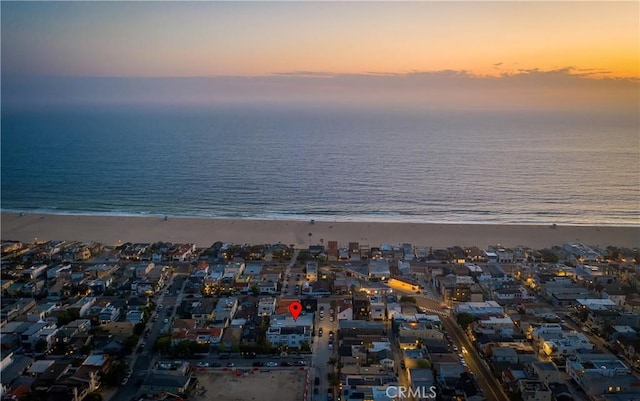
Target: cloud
<point x="561" y="88"/>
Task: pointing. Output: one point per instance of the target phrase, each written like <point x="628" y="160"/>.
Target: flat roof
<point x="41" y="366"/>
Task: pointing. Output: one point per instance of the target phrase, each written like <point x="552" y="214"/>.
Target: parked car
<point x="257" y="364"/>
<point x="231" y="364"/>
<point x="272" y="364"/>
<point x="285" y="363"/>
<point x="203" y="364"/>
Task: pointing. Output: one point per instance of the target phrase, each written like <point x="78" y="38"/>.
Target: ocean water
<point x="296" y="163"/>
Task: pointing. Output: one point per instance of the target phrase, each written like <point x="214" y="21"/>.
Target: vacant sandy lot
<point x="275" y="385"/>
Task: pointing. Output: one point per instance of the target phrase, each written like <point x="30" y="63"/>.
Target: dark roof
<point x="13" y="371"/>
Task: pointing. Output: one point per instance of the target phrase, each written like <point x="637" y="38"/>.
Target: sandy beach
<point x="203" y="232"/>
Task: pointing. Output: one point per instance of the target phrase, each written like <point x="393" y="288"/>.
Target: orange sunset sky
<point x="499" y="54"/>
<point x="204" y="39"/>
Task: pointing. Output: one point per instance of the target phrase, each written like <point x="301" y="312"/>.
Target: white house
<point x="266" y="306"/>
<point x="378" y="308"/>
<point x="569" y="344"/>
<point x="285" y="331"/>
<point x="344" y="310"/>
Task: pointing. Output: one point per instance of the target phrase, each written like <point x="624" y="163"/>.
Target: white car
<point x="272" y="364"/>
<point x="203" y="364"/>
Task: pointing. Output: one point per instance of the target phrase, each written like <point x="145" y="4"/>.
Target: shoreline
<point x="306" y="217"/>
<point x="204" y="231"/>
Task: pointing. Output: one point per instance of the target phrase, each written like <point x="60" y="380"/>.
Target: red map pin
<point x="295" y="308"/>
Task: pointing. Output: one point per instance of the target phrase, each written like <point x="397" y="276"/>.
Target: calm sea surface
<point x="485" y="167"/>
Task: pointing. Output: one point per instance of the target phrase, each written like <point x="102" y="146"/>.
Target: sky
<point x="407" y="51"/>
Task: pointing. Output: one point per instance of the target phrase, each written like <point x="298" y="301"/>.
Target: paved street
<point x="321" y="351"/>
<point x="141" y="363"/>
<point x="489" y="385"/>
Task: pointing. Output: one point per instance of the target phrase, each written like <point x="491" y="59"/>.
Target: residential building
<point x="109" y="314"/>
<point x="503" y="326"/>
<point x="134" y="316"/>
<point x="225" y="311"/>
<point x="361" y="306"/>
<point x="547" y="372"/>
<point x="419" y="330"/>
<point x="504" y="354"/>
<point x="312" y="271"/>
<point x="377" y="307"/>
<point x="568" y="344"/>
<point x="378" y="270"/>
<point x="157" y="383"/>
<point x="344" y="310"/>
<point x="266" y="306"/>
<point x="487" y="308"/>
<point x="142" y="270"/>
<point x="203" y="311"/>
<point x="534" y="390"/>
<point x="606" y="369"/>
<point x="285" y="331"/>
